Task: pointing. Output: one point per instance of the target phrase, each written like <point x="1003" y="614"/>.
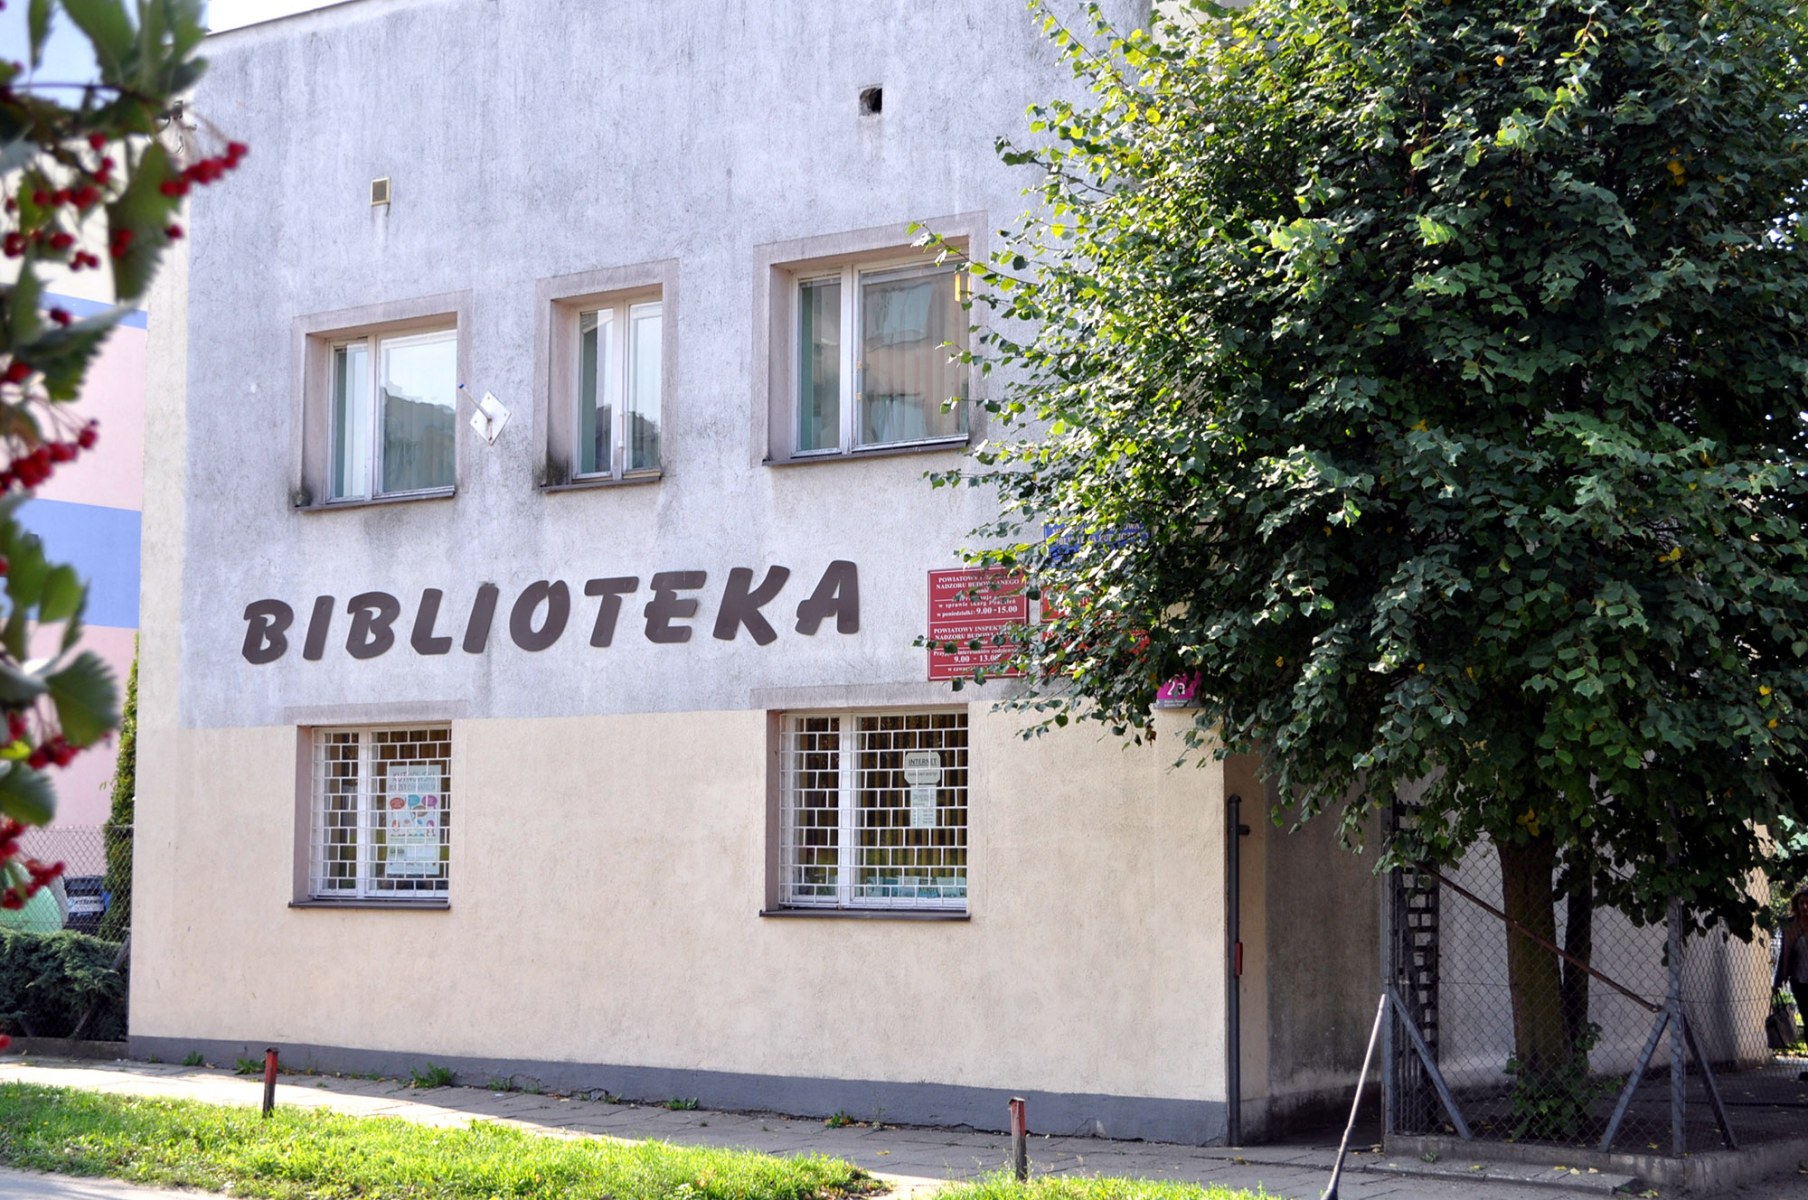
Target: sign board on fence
<point x="967" y="609"/>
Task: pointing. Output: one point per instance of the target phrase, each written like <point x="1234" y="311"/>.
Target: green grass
<point x="308" y="1154"/>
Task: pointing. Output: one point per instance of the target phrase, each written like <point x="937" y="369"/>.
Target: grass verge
<point x="309" y="1154"/>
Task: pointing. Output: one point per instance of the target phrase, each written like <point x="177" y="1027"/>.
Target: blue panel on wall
<point x="102" y="545"/>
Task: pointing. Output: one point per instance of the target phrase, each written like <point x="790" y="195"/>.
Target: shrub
<point x="48" y="981"/>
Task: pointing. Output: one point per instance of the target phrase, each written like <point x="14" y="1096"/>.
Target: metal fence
<point x="93" y="896"/>
<point x="1633" y="1076"/>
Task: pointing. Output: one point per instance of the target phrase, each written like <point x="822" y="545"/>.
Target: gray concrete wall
<point x="1322" y="972"/>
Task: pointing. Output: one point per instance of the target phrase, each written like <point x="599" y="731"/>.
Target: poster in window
<point x="411" y="813"/>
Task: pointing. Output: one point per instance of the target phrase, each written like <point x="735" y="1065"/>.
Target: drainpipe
<point x="1234" y="830"/>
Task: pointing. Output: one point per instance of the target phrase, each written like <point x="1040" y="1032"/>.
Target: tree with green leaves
<point x="1427" y="381"/>
<point x="93" y="174"/>
<point x="117" y="835"/>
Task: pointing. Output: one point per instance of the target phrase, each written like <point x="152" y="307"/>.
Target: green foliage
<point x="1427" y="379"/>
<point x="247" y="1066"/>
<point x="431" y="1076"/>
<point x="681" y="1104"/>
<point x="1557" y="1105"/>
<point x="300" y="1154"/>
<point x="117" y="835"/>
<point x="48" y="982"/>
<point x="192" y="1059"/>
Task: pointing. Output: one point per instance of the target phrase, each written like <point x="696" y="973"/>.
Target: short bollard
<point x="1020" y="1139"/>
<point x="269" y="1080"/>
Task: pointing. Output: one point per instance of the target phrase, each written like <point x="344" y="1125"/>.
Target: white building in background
<point x="581" y="734"/>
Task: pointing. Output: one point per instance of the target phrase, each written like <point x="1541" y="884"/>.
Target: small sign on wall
<point x="967" y="609"/>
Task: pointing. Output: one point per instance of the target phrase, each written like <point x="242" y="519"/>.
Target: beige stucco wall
<point x="607" y="879"/>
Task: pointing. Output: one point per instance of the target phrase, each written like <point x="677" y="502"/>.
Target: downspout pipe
<point x="1233" y="884"/>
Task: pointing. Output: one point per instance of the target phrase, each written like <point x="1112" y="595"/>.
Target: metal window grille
<point x="875" y="811"/>
<point x="382" y="813"/>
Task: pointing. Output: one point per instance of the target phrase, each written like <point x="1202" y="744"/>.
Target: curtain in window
<point x="905" y="376"/>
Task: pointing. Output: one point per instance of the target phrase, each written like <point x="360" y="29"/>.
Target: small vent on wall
<point x="872" y="101"/>
<point x="379" y="191"/>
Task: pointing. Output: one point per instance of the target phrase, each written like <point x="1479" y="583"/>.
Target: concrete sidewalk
<point x="913" y="1160"/>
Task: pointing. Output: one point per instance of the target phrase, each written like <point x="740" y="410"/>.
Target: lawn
<point x="298" y="1154"/>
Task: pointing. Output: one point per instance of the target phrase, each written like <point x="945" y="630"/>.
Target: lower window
<point x="382" y="802"/>
<point x="875" y="811"/>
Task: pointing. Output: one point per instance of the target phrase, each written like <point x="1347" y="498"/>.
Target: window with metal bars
<point x="875" y="810"/>
<point x="382" y="806"/>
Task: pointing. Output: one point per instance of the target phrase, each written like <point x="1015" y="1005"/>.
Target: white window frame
<point x="943" y="893"/>
<point x="778" y="268"/>
<point x="366" y="884"/>
<point x="562" y="301"/>
<point x="623" y="353"/>
<point x="852" y="369"/>
<point x="374" y="343"/>
<point x="315" y="338"/>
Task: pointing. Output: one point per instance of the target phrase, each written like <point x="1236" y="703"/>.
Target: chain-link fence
<point x="1582" y="1052"/>
<point x="63" y="956"/>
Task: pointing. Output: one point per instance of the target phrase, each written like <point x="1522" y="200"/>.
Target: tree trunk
<point x="1578" y="943"/>
<point x="1541" y="1039"/>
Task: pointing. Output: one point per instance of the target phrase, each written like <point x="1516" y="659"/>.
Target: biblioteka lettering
<point x="542" y="610"/>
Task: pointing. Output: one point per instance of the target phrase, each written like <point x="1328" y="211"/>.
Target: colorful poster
<point x="967" y="609"/>
<point x="411" y="814"/>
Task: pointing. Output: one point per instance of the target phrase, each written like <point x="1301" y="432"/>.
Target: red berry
<point x="174" y="232"/>
<point x="16" y="372"/>
<point x="40" y="197"/>
<point x="61" y="316"/>
<point x="61" y="241"/>
<point x="62" y="452"/>
<point x="89" y="435"/>
<point x="97" y="140"/>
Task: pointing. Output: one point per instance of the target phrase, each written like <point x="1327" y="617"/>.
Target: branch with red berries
<point x="92" y="178"/>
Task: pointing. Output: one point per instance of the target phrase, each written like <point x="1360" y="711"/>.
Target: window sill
<point x="810" y="460"/>
<point x="872" y="914"/>
<point x="388" y="905"/>
<point x="375" y="501"/>
<point x="602" y="482"/>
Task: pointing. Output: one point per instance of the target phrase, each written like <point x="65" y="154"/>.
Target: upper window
<point x="874" y="811"/>
<point x="858" y="342"/>
<point x="393" y="415"/>
<point x="873" y="348"/>
<point x="619" y="385"/>
<point x="604" y="374"/>
<point x="380" y="814"/>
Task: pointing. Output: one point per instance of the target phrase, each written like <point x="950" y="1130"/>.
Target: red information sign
<point x="967" y="607"/>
